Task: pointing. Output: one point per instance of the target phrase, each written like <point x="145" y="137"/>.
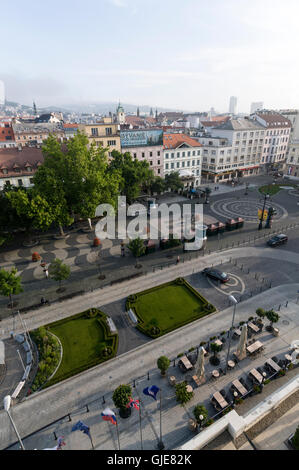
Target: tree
<point x="260" y="313"/>
<point x="200" y="410"/>
<point x="59" y="271"/>
<point x="121" y="396"/>
<point x="173" y="181"/>
<point x="272" y="316"/>
<point x="215" y="348"/>
<point x="134" y="174"/>
<point x="163" y="363"/>
<point x="137" y="248"/>
<point x="181" y="393"/>
<point x="157" y="185"/>
<point x="10" y="284"/>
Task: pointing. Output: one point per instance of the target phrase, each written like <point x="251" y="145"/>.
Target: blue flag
<point x="151" y="391"/>
<point x="80" y="426"/>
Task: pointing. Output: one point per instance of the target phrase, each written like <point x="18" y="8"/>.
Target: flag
<point x="108" y="415"/>
<point x="133" y="404"/>
<point x="61" y="443"/>
<point x="151" y="391"/>
<point x="80" y="426"/>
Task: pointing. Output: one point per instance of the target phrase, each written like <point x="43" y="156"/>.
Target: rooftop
<point x="172" y="141"/>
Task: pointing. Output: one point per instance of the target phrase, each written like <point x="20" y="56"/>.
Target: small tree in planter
<point x="198" y="411"/>
<point x="215" y="348"/>
<point x="181" y="393"/>
<point x="59" y="271"/>
<point x="35" y="256"/>
<point x="121" y="398"/>
<point x="163" y="363"/>
<point x="260" y="313"/>
<point x="137" y="249"/>
<point x="273" y="317"/>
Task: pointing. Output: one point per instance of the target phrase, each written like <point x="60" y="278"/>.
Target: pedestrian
<point x="46" y="273"/>
<point x="43" y="300"/>
<point x="178" y="260"/>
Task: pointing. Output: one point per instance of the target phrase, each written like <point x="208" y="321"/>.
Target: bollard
<point x="279" y="307"/>
<point x="55" y="437"/>
<point x="248" y="271"/>
<point x="134" y="384"/>
<point x="87" y="409"/>
<point x="287" y="302"/>
<point x="70" y="419"/>
<point x="103" y="400"/>
<point x="148" y="376"/>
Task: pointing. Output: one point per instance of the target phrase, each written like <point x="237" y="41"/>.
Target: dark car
<point x="277" y="240"/>
<point x="216" y="274"/>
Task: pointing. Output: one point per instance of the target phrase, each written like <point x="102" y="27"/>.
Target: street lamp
<point x="7" y="402"/>
<point x="262" y="216"/>
<point x="234" y="302"/>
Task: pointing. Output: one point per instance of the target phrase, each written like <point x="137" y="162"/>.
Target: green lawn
<point x="82" y="341"/>
<point x="270" y="189"/>
<point x="168" y="307"/>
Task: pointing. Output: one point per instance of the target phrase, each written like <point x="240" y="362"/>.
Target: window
<point x="158" y="153"/>
<point x="20" y="182"/>
<point x="158" y="171"/>
<point x="135" y="155"/>
<point x="111" y="142"/>
<point x="183" y="154"/>
<point x="172" y="155"/>
<point x="193" y="162"/>
<point x="151" y="162"/>
<point x="166" y="166"/>
<point x="108" y="130"/>
<point x="94" y="131"/>
<point x="143" y="154"/>
<point x="166" y="155"/>
<point x="172" y="165"/>
<point x="198" y="152"/>
<point x="151" y="154"/>
<point x="198" y="162"/>
<point x="178" y="164"/>
<point x="159" y="162"/>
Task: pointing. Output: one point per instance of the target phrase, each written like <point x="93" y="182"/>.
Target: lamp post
<point x="234" y="301"/>
<point x="7" y="402"/>
<point x="262" y="216"/>
<point x="201" y="418"/>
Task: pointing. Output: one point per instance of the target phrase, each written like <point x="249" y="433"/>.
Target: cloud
<point x="118" y="3"/>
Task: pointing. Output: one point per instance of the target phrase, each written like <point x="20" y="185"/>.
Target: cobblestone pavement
<point x="73" y="394"/>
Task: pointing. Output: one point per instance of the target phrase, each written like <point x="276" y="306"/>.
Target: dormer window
<point x="4" y="171"/>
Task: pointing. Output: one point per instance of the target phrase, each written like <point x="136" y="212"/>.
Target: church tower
<point x="120" y="112"/>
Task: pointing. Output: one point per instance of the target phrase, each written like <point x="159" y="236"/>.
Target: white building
<point x="292" y="158"/>
<point x="183" y="154"/>
<point x="277" y="134"/>
<point x="246" y="138"/>
<point x="255" y="106"/>
<point x="2" y="93"/>
<point x="233" y="105"/>
<point x="217" y="161"/>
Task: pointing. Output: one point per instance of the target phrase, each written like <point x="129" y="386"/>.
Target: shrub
<point x="180" y="281"/>
<point x="267" y="381"/>
<point x="260" y="312"/>
<point x="223" y="332"/>
<point x="290" y="366"/>
<point x="92" y="313"/>
<point x="213" y="337"/>
<point x="191" y="349"/>
<point x="202" y="343"/>
<point x="200" y="410"/>
<point x="257" y="388"/>
<point x="281" y="373"/>
<point x="132" y="298"/>
<point x="180" y="355"/>
<point x="208" y="423"/>
<point x="182" y="395"/>
<point x="295" y="439"/>
<point x="121" y="396"/>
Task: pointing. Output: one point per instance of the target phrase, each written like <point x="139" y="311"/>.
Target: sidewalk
<point x="49" y="405"/>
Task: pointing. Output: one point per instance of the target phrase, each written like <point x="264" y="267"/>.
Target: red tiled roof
<point x="70" y="126"/>
<point x="172" y="141"/>
<point x="275" y="119"/>
<point x="12" y="159"/>
<point x="6" y="132"/>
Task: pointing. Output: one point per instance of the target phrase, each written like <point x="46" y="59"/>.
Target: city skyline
<point x="138" y="57"/>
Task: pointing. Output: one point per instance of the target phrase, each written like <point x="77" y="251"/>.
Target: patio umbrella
<point x="241" y="349"/>
<point x="200" y="365"/>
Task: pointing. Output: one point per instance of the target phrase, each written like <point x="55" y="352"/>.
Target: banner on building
<point x="141" y="138"/>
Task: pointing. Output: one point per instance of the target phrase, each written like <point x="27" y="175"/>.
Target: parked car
<point x="216" y="274"/>
<point x="277" y="240"/>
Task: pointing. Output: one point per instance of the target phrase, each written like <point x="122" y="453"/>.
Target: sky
<point x="190" y="55"/>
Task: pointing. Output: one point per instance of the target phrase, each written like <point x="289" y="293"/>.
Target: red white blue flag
<point x="108" y="415"/>
<point x="133" y="404"/>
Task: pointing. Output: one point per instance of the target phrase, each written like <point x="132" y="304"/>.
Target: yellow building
<point x="105" y="134"/>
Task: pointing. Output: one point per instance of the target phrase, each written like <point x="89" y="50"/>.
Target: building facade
<point x="233" y="105"/>
<point x="276" y="138"/>
<point x="145" y="144"/>
<point x="104" y="134"/>
<point x="245" y="137"/>
<point x="18" y="165"/>
<point x="217" y="161"/>
<point x="182" y="154"/>
<point x="32" y="134"/>
<point x="7" y="137"/>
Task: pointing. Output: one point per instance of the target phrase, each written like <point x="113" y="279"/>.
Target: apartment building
<point x="32" y="134"/>
<point x="18" y="165"/>
<point x="243" y="152"/>
<point x="292" y="158"/>
<point x="7" y="137"/>
<point x="183" y="154"/>
<point x="217" y="161"/>
<point x="276" y="139"/>
<point x="145" y="144"/>
<point x="104" y="134"/>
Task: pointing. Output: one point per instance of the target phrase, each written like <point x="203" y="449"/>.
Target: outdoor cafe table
<point x="231" y="364"/>
<point x="237" y="332"/>
<point x="215" y="373"/>
<point x="187" y="364"/>
<point x="220" y="400"/>
<point x="253" y="327"/>
<point x="254" y="347"/>
<point x="218" y="342"/>
<point x="288" y="357"/>
<point x="256" y="375"/>
<point x="273" y="364"/>
<point x="237" y="384"/>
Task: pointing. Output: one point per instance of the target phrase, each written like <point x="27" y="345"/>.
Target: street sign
<point x="260" y="214"/>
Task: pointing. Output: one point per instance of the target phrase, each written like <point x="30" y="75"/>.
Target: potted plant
<point x="214" y="359"/>
<point x="163" y="363"/>
<point x="121" y="398"/>
<point x="96" y="241"/>
<point x="35" y="256"/>
<point x="261" y="314"/>
<point x="273" y="317"/>
<point x="200" y="413"/>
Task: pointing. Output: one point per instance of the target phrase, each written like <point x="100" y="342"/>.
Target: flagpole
<point x="160" y="443"/>
<point x="91" y="441"/>
<point x="117" y="435"/>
